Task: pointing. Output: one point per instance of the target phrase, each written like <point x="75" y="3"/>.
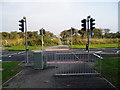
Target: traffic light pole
<point x="26" y="44"/>
<point x="89" y="28"/>
<point x="88" y="32"/>
<point x="42" y="39"/>
<point x="71" y="37"/>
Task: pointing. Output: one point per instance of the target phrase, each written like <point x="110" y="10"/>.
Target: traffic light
<point x="91" y="24"/>
<point x="21" y="25"/>
<point x="83" y="24"/>
<point x="42" y="31"/>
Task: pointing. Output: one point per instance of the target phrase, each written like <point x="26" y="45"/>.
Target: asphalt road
<point x="15" y="55"/>
<point x="20" y="55"/>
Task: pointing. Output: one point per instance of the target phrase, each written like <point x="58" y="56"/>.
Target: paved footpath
<point x="31" y="78"/>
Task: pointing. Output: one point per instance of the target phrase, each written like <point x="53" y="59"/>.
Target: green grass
<point x="98" y="46"/>
<point x="22" y="48"/>
<point x="10" y="69"/>
<point x="110" y="70"/>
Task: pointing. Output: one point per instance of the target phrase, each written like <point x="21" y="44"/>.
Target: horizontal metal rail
<point x="74" y="53"/>
<point x="98" y="56"/>
<point x="77" y="74"/>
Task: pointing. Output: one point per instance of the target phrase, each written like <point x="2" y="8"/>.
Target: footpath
<point x="31" y="78"/>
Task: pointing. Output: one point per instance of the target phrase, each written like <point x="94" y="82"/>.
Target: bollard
<point x="86" y="46"/>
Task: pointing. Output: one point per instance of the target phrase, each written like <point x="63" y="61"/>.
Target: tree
<point x="21" y="34"/>
<point x="106" y="31"/>
<point x="74" y="31"/>
<point x="30" y="35"/>
<point x="5" y="35"/>
<point x="35" y="34"/>
<point x="118" y="34"/>
<point x="97" y="33"/>
<point x="82" y="33"/>
<point x="14" y="35"/>
<point x="64" y="34"/>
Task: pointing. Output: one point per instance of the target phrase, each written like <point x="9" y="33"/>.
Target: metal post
<point x="26" y="58"/>
<point x="101" y="65"/>
<point x="71" y="36"/>
<point x="88" y="31"/>
<point x="42" y="39"/>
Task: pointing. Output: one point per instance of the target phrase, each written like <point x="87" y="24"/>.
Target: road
<point x="20" y="55"/>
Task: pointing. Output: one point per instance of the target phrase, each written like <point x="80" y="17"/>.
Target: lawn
<point x="93" y="46"/>
<point x="110" y="70"/>
<point x="9" y="70"/>
<point x="22" y="48"/>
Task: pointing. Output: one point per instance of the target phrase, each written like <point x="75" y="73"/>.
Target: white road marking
<point x="9" y="56"/>
<point x="98" y="51"/>
<point x="13" y="54"/>
<point x="98" y="56"/>
<point x="118" y="51"/>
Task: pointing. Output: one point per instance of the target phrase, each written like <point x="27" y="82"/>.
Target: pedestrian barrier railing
<point x="69" y="63"/>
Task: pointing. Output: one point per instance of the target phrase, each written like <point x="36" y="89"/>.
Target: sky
<point x="57" y="16"/>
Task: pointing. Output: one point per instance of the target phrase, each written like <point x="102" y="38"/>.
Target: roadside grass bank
<point x="95" y="46"/>
<point x="22" y="48"/>
<point x="110" y="70"/>
<point x="10" y="69"/>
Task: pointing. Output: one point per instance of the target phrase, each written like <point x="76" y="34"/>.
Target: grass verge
<point x="22" y="48"/>
<point x="10" y="69"/>
<point x="110" y="70"/>
<point x="94" y="46"/>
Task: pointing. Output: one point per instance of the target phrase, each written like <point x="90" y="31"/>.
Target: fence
<point x="68" y="63"/>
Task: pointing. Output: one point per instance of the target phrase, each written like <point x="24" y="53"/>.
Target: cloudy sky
<point x="58" y="16"/>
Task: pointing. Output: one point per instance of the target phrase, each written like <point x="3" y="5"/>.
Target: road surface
<point x="20" y="55"/>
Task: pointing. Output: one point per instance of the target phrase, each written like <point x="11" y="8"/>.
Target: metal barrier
<point x="73" y="63"/>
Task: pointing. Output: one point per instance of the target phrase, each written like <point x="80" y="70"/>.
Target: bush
<point x="13" y="42"/>
<point x="31" y="42"/>
<point x="94" y="41"/>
